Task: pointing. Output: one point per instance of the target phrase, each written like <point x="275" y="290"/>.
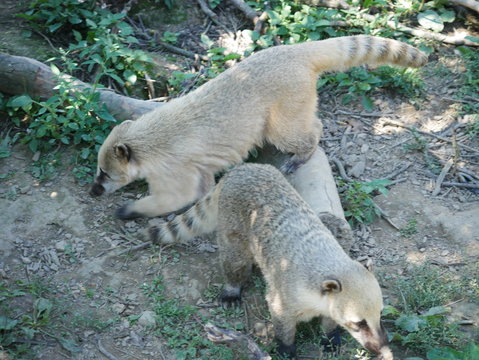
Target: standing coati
<point x="270" y="96"/>
<point x="260" y="218"/>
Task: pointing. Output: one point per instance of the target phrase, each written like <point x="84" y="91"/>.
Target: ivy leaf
<point x="21" y="100"/>
<point x="430" y="19"/>
<point x="410" y="323"/>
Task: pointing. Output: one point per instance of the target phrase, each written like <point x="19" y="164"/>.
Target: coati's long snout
<point x="97" y="189"/>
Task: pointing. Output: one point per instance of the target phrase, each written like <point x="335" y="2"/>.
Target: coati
<point x="269" y="97"/>
<point x="260" y="218"/>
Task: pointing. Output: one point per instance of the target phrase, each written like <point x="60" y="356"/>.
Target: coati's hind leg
<point x="236" y="262"/>
<point x="297" y="133"/>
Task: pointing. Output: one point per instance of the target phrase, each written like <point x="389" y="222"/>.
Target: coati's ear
<point x="122" y="152"/>
<point x="369" y="264"/>
<point x="331" y="286"/>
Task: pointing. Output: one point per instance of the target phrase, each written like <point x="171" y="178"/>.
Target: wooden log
<point x="22" y="75"/>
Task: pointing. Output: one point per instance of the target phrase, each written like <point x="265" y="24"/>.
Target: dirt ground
<point x="56" y="232"/>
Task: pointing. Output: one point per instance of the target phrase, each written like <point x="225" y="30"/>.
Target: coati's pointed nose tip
<point x="97" y="189"/>
<point x="385" y="353"/>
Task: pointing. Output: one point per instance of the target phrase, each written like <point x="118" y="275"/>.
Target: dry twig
<point x="235" y="338"/>
<point x="210" y="13"/>
<point x="441" y="176"/>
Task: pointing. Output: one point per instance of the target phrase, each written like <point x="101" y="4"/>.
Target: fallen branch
<point x="441" y="176"/>
<point x="179" y="51"/>
<point x="397" y="172"/>
<point x="413" y="129"/>
<point x="236" y="339"/>
<point x="210" y="13"/>
<point x="257" y="19"/>
<point x="463" y="185"/>
<point x="21" y="75"/>
<point x="105" y="352"/>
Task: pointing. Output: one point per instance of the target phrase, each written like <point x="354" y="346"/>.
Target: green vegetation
<point x="357" y="200"/>
<point x="181" y="326"/>
<point x="410" y="229"/>
<point x="30" y="312"/>
<point x="421" y="321"/>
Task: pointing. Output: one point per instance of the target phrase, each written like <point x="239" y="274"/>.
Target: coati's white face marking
<point x="116" y="164"/>
<point x="357" y="307"/>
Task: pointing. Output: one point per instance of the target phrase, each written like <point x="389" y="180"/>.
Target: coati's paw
<point x="154" y="234"/>
<point x="332" y="341"/>
<point x="124" y="214"/>
<point x="230" y="298"/>
<point x="291" y="166"/>
<point x="285" y="351"/>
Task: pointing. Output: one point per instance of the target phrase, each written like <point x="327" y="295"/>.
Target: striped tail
<point x="202" y="218"/>
<point x="342" y="53"/>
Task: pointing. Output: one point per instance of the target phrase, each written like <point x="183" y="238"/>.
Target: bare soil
<point x="56" y="232"/>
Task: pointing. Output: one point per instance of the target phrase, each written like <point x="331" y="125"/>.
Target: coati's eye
<point x="360" y="325"/>
<point x="104" y="174"/>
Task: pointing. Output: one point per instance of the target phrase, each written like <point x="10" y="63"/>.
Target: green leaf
<point x="473" y="39"/>
<point x="54" y="69"/>
<point x="54" y="27"/>
<point x="7" y="323"/>
<point x="43" y="307"/>
<point x="430" y="19"/>
<point x="448" y="15"/>
<point x="206" y="40"/>
<point x="69" y="345"/>
<point x="20" y="101"/>
<point x="437" y="310"/>
<point x="390" y="310"/>
<point x="85" y="153"/>
<point x="410" y="323"/>
<point x="130" y="76"/>
<point x="367" y="103"/>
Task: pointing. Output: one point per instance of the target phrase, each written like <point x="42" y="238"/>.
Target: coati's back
<point x="259" y="202"/>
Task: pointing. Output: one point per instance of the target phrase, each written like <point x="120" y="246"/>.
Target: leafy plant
<point x="181" y="326"/>
<point x="357" y="200"/>
<point x="410" y="229"/>
<point x="71" y="116"/>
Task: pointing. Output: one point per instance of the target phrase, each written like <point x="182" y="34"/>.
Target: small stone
<point x="206" y="247"/>
<point x="358" y="169"/>
<point x="61" y="245"/>
<point x="26" y="260"/>
<point x="422" y="249"/>
<point x="24" y="189"/>
<point x="130" y="224"/>
<point x="147" y="319"/>
<point x="445" y="253"/>
<point x="118" y="308"/>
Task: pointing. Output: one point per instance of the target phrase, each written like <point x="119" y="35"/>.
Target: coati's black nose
<point x="97" y="189"/>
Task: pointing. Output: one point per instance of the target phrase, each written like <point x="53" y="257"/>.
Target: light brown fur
<point x="260" y="218"/>
<point x="270" y="96"/>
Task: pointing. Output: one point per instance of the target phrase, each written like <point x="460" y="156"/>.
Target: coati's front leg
<point x="236" y="263"/>
<point x="153" y="205"/>
<point x="284" y="325"/>
<point x="332" y="341"/>
<point x="168" y="195"/>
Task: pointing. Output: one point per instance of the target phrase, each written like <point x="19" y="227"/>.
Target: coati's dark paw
<point x="285" y="351"/>
<point x="154" y="234"/>
<point x="124" y="214"/>
<point x="291" y="166"/>
<point x="332" y="342"/>
<point x="230" y="298"/>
